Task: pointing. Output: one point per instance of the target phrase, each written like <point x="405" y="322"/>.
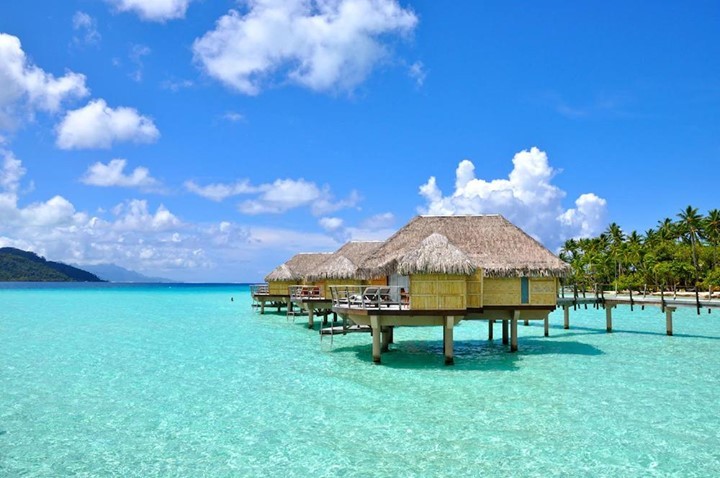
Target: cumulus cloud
<point x="528" y="198"/>
<point x="27" y="88"/>
<point x="96" y="125"/>
<point x="285" y="194"/>
<point x="153" y="10"/>
<point x="330" y="223"/>
<point x="321" y="45"/>
<point x="113" y="174"/>
<point x="85" y="27"/>
<point x="219" y="191"/>
<point x="277" y="197"/>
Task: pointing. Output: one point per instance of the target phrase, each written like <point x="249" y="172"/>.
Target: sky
<point x="211" y="140"/>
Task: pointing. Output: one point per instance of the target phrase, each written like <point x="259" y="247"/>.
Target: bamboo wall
<point x="280" y="287"/>
<point x="475" y="290"/>
<point x="505" y="291"/>
<point x="543" y="291"/>
<point x="438" y="292"/>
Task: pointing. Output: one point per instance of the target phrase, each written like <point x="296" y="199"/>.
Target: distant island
<point x="115" y="273"/>
<point x="23" y="266"/>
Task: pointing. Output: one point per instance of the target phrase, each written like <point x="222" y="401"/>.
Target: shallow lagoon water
<point x="169" y="380"/>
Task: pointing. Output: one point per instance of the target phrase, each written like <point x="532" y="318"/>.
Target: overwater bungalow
<point x="291" y="273"/>
<point x="444" y="269"/>
<point x="339" y="268"/>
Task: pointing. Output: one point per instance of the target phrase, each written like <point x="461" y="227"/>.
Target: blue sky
<point x="211" y="140"/>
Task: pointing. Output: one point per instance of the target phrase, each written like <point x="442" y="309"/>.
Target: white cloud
<point x="11" y="173"/>
<point x="113" y="174"/>
<point x="285" y="194"/>
<point x="233" y="117"/>
<point x="418" y="73"/>
<point x="528" y="198"/>
<point x="330" y="223"/>
<point x="150" y="239"/>
<point x="96" y="125"/>
<point x="277" y="197"/>
<point x="218" y="191"/>
<point x="27" y="88"/>
<point x="137" y="52"/>
<point x="176" y="85"/>
<point x="85" y="25"/>
<point x="321" y="45"/>
<point x="153" y="10"/>
<point x="379" y="221"/>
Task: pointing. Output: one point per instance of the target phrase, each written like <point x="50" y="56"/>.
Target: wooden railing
<point x="299" y="292"/>
<point x="370" y="297"/>
<point x="257" y="289"/>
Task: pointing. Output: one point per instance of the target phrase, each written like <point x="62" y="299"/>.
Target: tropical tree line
<point x="683" y="253"/>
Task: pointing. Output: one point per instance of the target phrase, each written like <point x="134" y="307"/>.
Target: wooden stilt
<point x="608" y="318"/>
<point x="262" y="307"/>
<point x="566" y="317"/>
<point x="547" y="326"/>
<point x="491" y="324"/>
<point x="668" y="319"/>
<point x="375" y="325"/>
<point x="449" y="325"/>
<point x="514" y="331"/>
<point x="527" y="322"/>
<point x="391" y="334"/>
<point x="311" y="317"/>
<point x="505" y="332"/>
<point x="385" y="342"/>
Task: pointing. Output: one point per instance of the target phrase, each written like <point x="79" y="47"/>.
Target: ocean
<point x="180" y="380"/>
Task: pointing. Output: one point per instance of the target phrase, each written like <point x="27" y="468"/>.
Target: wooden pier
<point x="609" y="301"/>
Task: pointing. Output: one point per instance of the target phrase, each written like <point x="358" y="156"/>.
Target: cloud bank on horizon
<point x="528" y="198"/>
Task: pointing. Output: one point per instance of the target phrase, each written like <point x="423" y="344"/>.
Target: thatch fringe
<point x="436" y="255"/>
<point x="343" y="264"/>
<point x="490" y="242"/>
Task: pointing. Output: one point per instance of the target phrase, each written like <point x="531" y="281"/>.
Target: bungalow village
<point x="435" y="271"/>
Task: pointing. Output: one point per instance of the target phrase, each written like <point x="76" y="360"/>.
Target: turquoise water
<point x="180" y="381"/>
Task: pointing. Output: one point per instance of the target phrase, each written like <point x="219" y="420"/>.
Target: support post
<point x="375" y="325"/>
<point x="527" y="322"/>
<point x="311" y="317"/>
<point x="391" y="334"/>
<point x="491" y="324"/>
<point x="547" y="326"/>
<point x="385" y="342"/>
<point x="505" y="332"/>
<point x="668" y="319"/>
<point x="608" y="318"/>
<point x="262" y="307"/>
<point x="514" y="331"/>
<point x="448" y="326"/>
<point x="566" y="317"/>
<point x="290" y="305"/>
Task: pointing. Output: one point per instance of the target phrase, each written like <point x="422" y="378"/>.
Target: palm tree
<point x="691" y="224"/>
<point x="617" y="238"/>
<point x="712" y="232"/>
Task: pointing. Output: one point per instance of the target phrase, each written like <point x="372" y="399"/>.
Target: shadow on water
<point x="616" y="330"/>
<point x="469" y="354"/>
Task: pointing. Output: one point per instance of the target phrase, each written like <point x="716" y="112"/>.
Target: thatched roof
<point x="436" y="255"/>
<point x="344" y="263"/>
<point x="298" y="267"/>
<point x="490" y="242"/>
<point x="280" y="273"/>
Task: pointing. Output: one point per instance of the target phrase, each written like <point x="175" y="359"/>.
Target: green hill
<point x="22" y="266"/>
